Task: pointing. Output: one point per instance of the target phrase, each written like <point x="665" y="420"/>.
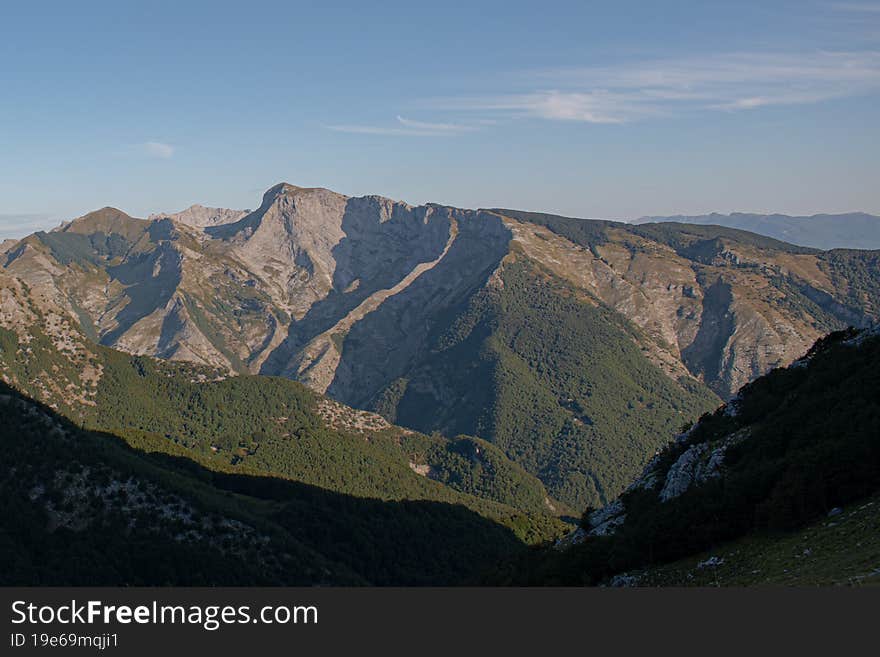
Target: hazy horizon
<point x="631" y="109"/>
<point x="17" y="226"/>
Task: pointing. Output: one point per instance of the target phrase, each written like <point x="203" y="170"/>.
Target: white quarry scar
<point x="320" y="357"/>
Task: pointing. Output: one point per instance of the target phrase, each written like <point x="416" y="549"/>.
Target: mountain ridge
<point x="850" y="230"/>
<point x="406" y="310"/>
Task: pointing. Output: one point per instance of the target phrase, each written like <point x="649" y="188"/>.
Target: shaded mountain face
<point x="574" y="346"/>
<point x="792" y="446"/>
<point x="82" y="507"/>
<point x="854" y="230"/>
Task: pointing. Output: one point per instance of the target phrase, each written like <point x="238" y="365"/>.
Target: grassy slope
<point x="843" y="549"/>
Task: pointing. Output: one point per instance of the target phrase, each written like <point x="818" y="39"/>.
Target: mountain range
<point x="176" y="474"/>
<point x="341" y="390"/>
<point x="853" y="230"/>
<point x="574" y="347"/>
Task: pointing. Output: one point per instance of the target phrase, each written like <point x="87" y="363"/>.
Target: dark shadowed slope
<point x="84" y="508"/>
<point x="792" y="446"/>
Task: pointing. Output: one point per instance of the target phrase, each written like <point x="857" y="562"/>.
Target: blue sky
<point x="599" y="109"/>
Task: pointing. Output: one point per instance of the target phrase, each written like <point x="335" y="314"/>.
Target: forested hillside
<point x="853" y="230"/>
<point x="559" y="382"/>
<point x="789" y="449"/>
<point x="84" y="508"/>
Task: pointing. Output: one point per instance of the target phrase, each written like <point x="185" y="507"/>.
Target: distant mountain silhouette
<point x="854" y="230"/>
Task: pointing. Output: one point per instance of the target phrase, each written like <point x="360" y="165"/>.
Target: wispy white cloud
<point x="593" y="107"/>
<point x="857" y="7"/>
<point x="738" y="81"/>
<point x="631" y="92"/>
<point x="442" y="128"/>
<point x="409" y="128"/>
<point x="158" y="149"/>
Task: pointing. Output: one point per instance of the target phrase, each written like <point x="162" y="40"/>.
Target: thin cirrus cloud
<point x="409" y="128"/>
<point x="732" y="82"/>
<point x="158" y="149"/>
<point x="653" y="89"/>
<point x="857" y="7"/>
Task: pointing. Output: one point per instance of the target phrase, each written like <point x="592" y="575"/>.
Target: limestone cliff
<point x="487" y="322"/>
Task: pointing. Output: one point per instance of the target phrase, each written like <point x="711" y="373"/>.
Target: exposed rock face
<point x="691" y="468"/>
<point x="201" y="217"/>
<point x="384" y="345"/>
<point x="288" y="243"/>
<point x="695" y="466"/>
<point x="602" y="522"/>
<point x="606" y="520"/>
<point x="373" y="249"/>
<point x="721" y="310"/>
<point x="277" y="290"/>
<point x="29" y="316"/>
<point x="354" y="296"/>
<point x="624" y="580"/>
<point x="317" y="365"/>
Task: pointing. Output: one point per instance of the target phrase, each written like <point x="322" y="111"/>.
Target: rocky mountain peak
<point x="284" y="189"/>
<point x="107" y="214"/>
<point x="106" y="220"/>
<point x="201" y="216"/>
